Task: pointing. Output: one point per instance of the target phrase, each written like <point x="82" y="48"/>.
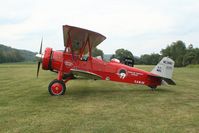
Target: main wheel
<point x="57" y="87"/>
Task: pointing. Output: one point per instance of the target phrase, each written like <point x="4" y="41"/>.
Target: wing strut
<point x="84" y="46"/>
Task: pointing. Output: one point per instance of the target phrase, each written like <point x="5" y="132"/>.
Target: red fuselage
<point x="112" y="70"/>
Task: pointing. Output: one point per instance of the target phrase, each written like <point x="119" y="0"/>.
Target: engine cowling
<point x="46" y="62"/>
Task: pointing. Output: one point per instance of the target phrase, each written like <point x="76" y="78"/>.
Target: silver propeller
<point x="39" y="57"/>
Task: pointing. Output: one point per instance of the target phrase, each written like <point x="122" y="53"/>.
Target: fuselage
<point x="112" y="70"/>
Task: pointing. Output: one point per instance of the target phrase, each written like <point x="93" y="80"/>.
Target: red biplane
<point x="76" y="60"/>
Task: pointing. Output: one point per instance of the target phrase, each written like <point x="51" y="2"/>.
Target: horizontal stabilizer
<point x="169" y="81"/>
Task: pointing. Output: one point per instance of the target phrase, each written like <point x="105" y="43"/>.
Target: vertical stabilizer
<point x="164" y="69"/>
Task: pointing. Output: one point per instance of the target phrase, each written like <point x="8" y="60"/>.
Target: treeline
<point x="148" y="59"/>
<point x="8" y="54"/>
<point x="181" y="54"/>
<point x="178" y="51"/>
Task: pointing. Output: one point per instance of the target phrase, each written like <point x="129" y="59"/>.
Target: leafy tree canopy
<point x="97" y="52"/>
<point x="121" y="54"/>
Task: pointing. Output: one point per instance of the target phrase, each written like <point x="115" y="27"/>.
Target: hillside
<point x="8" y="54"/>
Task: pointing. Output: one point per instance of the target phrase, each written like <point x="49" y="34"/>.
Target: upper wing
<point x="79" y="35"/>
<point x="85" y="74"/>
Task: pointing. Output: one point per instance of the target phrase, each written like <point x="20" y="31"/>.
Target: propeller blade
<point x="38" y="67"/>
<point x="40" y="60"/>
<point x="40" y="51"/>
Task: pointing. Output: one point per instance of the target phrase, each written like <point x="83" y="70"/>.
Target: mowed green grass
<point x="96" y="106"/>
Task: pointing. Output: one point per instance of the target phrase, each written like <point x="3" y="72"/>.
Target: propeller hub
<point x="39" y="57"/>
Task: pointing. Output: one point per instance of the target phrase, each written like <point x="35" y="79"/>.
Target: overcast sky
<point x="141" y="26"/>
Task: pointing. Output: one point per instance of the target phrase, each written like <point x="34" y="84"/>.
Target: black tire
<point x="57" y="87"/>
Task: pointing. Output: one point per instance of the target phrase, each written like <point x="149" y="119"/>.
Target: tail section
<point x="164" y="69"/>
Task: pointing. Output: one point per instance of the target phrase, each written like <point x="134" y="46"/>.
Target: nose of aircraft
<point x="39" y="57"/>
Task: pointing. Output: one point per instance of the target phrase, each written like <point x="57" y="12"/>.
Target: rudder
<point x="164" y="69"/>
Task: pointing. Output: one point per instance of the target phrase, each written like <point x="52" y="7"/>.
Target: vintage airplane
<point x="77" y="60"/>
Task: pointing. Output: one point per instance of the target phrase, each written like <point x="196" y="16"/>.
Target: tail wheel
<point x="57" y="87"/>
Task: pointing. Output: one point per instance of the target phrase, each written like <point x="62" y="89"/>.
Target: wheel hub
<point x="57" y="88"/>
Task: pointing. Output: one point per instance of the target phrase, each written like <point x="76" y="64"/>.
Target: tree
<point x="196" y="56"/>
<point x="145" y="59"/>
<point x="1" y="57"/>
<point x="190" y="46"/>
<point x="151" y="59"/>
<point x="189" y="57"/>
<point x="97" y="52"/>
<point x="121" y="54"/>
<point x="176" y="51"/>
<point x="137" y="60"/>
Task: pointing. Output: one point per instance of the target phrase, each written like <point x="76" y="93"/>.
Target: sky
<point x="140" y="26"/>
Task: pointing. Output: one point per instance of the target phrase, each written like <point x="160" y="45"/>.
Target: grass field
<point x="96" y="106"/>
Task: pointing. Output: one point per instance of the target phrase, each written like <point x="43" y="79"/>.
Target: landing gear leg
<point x="153" y="88"/>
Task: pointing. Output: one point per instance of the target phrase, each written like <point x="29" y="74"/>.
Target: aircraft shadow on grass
<point x="97" y="91"/>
